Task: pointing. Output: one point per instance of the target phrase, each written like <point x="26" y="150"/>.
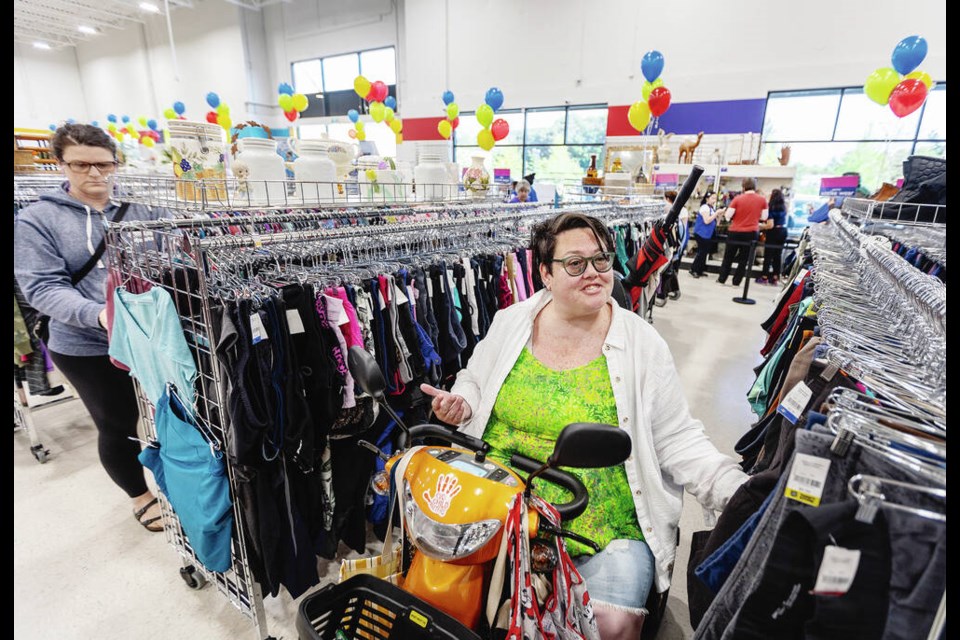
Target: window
<point x="554" y="143"/>
<point x="834" y="131"/>
<point x="328" y="82"/>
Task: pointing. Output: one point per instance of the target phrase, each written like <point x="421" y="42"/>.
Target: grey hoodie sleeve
<point x="43" y="276"/>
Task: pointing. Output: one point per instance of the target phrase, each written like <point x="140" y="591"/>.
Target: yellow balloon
<point x="358" y="125"/>
<point x="880" y="84"/>
<point x="147" y="141"/>
<point x="923" y="77"/>
<point x="361" y="135"/>
<point x="143" y="121"/>
<point x="168" y="113"/>
<point x="396" y="125"/>
<point x="377" y="111"/>
<point x="485" y="115"/>
<point x="649" y="87"/>
<point x="300" y="101"/>
<point x="223" y="109"/>
<point x="225" y="122"/>
<point x="387" y="114"/>
<point x="399" y="137"/>
<point x="485" y="139"/>
<point x="453" y="110"/>
<point x="444" y="128"/>
<point x="285" y="101"/>
<point x="639" y="115"/>
<point x="362" y="86"/>
<point x="112" y="128"/>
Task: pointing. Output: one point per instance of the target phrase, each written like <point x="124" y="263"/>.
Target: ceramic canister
<point x="266" y="177"/>
<point x="314" y="171"/>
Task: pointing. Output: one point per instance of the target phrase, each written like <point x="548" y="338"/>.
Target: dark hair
<point x="80" y="134"/>
<point x="544" y="237"/>
<point x="776" y="202"/>
<point x="671" y="196"/>
<point x="749" y="184"/>
<point x="706" y="197"/>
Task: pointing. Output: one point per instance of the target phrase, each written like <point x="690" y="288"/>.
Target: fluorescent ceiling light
<point x="88" y="30"/>
<point x="41" y="45"/>
<point x="148" y="6"/>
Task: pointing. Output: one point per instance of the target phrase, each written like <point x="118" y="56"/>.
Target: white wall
<point x="46" y="87"/>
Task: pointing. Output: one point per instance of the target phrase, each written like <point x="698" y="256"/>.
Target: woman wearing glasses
<point x="53" y="241"/>
<point x="570" y="354"/>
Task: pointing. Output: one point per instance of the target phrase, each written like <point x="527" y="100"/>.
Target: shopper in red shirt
<point x="746" y="211"/>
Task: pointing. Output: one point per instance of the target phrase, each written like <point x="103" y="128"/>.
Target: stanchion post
<point x="746" y="276"/>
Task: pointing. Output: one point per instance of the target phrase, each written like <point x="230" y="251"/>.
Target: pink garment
<point x="351" y="331"/>
<point x="521" y="285"/>
<point x="333" y="316"/>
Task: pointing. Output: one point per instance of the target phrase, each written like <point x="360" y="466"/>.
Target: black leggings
<point x="107" y="393"/>
<point x="704" y="248"/>
<point x="771" y="257"/>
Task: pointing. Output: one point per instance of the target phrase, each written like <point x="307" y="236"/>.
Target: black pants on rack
<point x="108" y="394"/>
<point x="772" y="255"/>
<point x="737" y="249"/>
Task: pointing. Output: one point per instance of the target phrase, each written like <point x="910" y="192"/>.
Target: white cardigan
<point x="671" y="452"/>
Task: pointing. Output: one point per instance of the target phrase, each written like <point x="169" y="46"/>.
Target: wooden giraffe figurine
<point x="687" y="148"/>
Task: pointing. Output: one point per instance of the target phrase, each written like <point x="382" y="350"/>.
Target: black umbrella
<point x="651" y="255"/>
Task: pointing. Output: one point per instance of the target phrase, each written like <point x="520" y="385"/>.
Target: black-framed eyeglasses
<point x="84" y="167"/>
<point x="576" y="265"/>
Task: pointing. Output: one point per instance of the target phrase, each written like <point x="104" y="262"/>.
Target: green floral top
<point x="533" y="406"/>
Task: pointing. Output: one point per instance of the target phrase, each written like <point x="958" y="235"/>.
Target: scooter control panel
<point x="463" y="461"/>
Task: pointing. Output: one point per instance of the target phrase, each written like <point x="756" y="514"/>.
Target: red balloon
<point x="291" y="115"/>
<point x="155" y="135"/>
<point x="455" y="122"/>
<point x="212" y="117"/>
<point x="500" y="129"/>
<point x="907" y="97"/>
<point x="379" y="91"/>
<point x="659" y="101"/>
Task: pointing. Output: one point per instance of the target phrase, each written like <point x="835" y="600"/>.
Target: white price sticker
<point x="294" y="322"/>
<point x="800" y="275"/>
<point x="793" y="405"/>
<point x="807" y="477"/>
<point x="837" y="571"/>
<point x="257" y="331"/>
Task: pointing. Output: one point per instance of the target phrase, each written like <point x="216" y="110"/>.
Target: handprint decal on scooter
<point x="448" y="486"/>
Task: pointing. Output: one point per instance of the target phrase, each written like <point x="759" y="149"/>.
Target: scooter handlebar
<point x="567" y="510"/>
<point x="444" y="433"/>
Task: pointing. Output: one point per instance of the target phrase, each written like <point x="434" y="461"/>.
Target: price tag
<point x="429" y="281"/>
<point x="257" y="331"/>
<point x="399" y="296"/>
<point x="294" y="322"/>
<point x="807" y="476"/>
<point x="257" y="242"/>
<point x="829" y="371"/>
<point x="837" y="571"/>
<point x="800" y="276"/>
<point x="793" y="405"/>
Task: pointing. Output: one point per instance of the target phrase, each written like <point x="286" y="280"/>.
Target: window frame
<point x="394" y="88"/>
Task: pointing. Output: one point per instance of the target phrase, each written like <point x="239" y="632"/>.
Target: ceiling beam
<point x="43" y="13"/>
<point x="45" y="27"/>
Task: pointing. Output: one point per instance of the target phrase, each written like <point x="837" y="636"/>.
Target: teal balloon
<point x="908" y="54"/>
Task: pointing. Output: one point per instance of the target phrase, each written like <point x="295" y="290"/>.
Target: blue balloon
<point x="651" y="65"/>
<point x="53" y="127"/>
<point x="179" y="107"/>
<point x="448" y="97"/>
<point x="494" y="98"/>
<point x="95" y="123"/>
<point x="152" y="124"/>
<point x="285" y="88"/>
<point x="353" y="114"/>
<point x="71" y="121"/>
<point x="908" y="54"/>
<point x="111" y="118"/>
<point x="213" y="100"/>
<point x="390" y="101"/>
<point x="125" y="119"/>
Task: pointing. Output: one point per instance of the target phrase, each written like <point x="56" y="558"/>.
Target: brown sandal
<point x="146" y="523"/>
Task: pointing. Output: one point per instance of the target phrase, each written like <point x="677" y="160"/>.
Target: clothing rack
<point x="865" y="210"/>
<point x="196" y="259"/>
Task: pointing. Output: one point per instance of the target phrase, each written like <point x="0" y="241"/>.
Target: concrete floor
<point x="83" y="568"/>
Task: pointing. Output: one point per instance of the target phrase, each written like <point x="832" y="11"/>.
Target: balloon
<point x="444" y="128"/>
<point x="71" y="121"/>
<point x="380" y="90"/>
<point x="142" y="120"/>
<point x="880" y="83"/>
<point x="659" y="101"/>
<point x="500" y="129"/>
<point x="285" y="100"/>
<point x="212" y="117"/>
<point x="352" y="133"/>
<point x="907" y="97"/>
<point x="494" y="98"/>
<point x="155" y="135"/>
<point x="362" y="86"/>
<point x="152" y="124"/>
<point x="391" y="102"/>
<point x="52" y="127"/>
<point x="300" y="102"/>
<point x="485" y="139"/>
<point x="290" y="115"/>
<point x="639" y="115"/>
<point x="453" y="110"/>
<point x="169" y="113"/>
<point x="455" y="123"/>
<point x="224" y="121"/>
<point x="908" y="54"/>
<point x="111" y="127"/>
<point x="377" y="111"/>
<point x="147" y="141"/>
<point x="484" y="115"/>
<point x="283" y="87"/>
<point x="359" y="125"/>
<point x="396" y="125"/>
<point x="387" y="114"/>
<point x="399" y="137"/>
<point x="111" y="118"/>
<point x="361" y="136"/>
<point x="125" y="119"/>
<point x="923" y="77"/>
<point x="213" y="100"/>
<point x="448" y="97"/>
<point x="652" y="65"/>
<point x="353" y="114"/>
<point x="222" y="108"/>
<point x="650" y="86"/>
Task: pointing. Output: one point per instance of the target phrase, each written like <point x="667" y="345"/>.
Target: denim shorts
<point x="620" y="575"/>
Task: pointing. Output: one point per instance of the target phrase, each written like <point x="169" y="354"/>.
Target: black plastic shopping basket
<point x="368" y="608"/>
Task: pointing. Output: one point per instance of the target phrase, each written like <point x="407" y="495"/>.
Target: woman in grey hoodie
<point x="53" y="239"/>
